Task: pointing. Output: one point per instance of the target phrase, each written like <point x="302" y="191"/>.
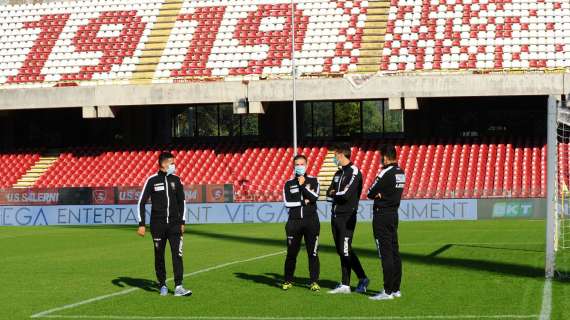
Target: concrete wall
<point x="378" y="86"/>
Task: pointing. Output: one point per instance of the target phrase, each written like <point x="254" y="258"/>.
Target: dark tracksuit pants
<point x="161" y="232"/>
<point x="343" y="226"/>
<point x="385" y="227"/>
<point x="297" y="229"/>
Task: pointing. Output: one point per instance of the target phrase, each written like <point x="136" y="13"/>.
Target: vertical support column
<point x="551" y="184"/>
<point x="294" y="74"/>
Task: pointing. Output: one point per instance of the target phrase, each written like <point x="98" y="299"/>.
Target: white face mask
<point x="171" y="169"/>
<point x="336" y="162"/>
<point x="300" y="170"/>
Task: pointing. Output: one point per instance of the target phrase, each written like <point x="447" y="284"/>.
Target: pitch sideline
<point x="47" y="313"/>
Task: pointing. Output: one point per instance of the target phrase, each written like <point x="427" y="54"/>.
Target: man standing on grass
<point x="167" y="219"/>
<point x="300" y="195"/>
<point x="344" y="193"/>
<point x="387" y="192"/>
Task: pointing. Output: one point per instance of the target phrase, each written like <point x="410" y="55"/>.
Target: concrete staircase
<point x="373" y="37"/>
<point x="34" y="173"/>
<point x="158" y="37"/>
<point x="326" y="174"/>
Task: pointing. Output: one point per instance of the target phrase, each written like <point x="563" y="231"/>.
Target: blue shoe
<point x="362" y="285"/>
<point x="164" y="291"/>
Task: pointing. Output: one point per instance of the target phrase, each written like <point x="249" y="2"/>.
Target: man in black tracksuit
<point x="300" y="195"/>
<point x="167" y="220"/>
<point x="387" y="192"/>
<point x="344" y="193"/>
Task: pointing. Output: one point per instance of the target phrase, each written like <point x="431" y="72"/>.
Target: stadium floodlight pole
<point x="551" y="185"/>
<point x="294" y="75"/>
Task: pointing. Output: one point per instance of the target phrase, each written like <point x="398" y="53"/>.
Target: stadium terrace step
<point x="373" y="38"/>
<point x="143" y="78"/>
<point x="149" y="60"/>
<point x="326" y="174"/>
<point x="368" y="60"/>
<point x="377" y="11"/>
<point x="161" y="34"/>
<point x="172" y="5"/>
<point x="154" y="46"/>
<point x="143" y="68"/>
<point x="377" y="26"/>
<point x="158" y="38"/>
<point x="36" y="171"/>
<point x="379" y="4"/>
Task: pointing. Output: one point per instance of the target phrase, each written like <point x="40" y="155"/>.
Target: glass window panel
<point x="393" y="120"/>
<point x="208" y="121"/>
<point x="183" y="123"/>
<point x="250" y="125"/>
<point x="372" y="116"/>
<point x="307" y="119"/>
<point x="323" y="119"/>
<point x="347" y="118"/>
<point x="229" y="123"/>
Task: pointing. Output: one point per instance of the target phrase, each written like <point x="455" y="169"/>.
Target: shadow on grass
<point x="451" y="245"/>
<point x="432" y="259"/>
<point x="497" y="267"/>
<point x="144" y="284"/>
<point x="496" y="248"/>
<point x="275" y="280"/>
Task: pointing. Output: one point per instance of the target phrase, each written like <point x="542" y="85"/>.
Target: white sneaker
<point x="382" y="296"/>
<point x="340" y="289"/>
<point x="181" y="292"/>
<point x="397" y="294"/>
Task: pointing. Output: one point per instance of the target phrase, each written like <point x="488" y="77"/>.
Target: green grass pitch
<point x="452" y="270"/>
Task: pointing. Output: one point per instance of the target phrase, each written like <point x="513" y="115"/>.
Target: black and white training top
<point x="347" y="184"/>
<point x="389" y="184"/>
<point x="166" y="194"/>
<point x="295" y="194"/>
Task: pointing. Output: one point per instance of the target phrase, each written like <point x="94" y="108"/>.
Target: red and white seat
<point x="13" y="165"/>
<point x="454" y="35"/>
<point x="436" y="168"/>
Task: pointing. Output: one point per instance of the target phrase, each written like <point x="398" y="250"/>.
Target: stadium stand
<point x="14" y="165"/>
<point x="454" y="168"/>
<point x="498" y="34"/>
<point x="95" y="42"/>
<point x="121" y="42"/>
<point x="245" y="166"/>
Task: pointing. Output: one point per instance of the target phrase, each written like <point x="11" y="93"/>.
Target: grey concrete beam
<point x="122" y="95"/>
<point x="376" y="87"/>
<point x="411" y="86"/>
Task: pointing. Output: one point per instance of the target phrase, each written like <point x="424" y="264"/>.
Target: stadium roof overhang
<point x="356" y="87"/>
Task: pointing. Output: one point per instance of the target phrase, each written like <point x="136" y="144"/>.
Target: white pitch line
<point x="46" y="314"/>
<point x="469" y="243"/>
<point x="546" y="308"/>
<point x="498" y="316"/>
